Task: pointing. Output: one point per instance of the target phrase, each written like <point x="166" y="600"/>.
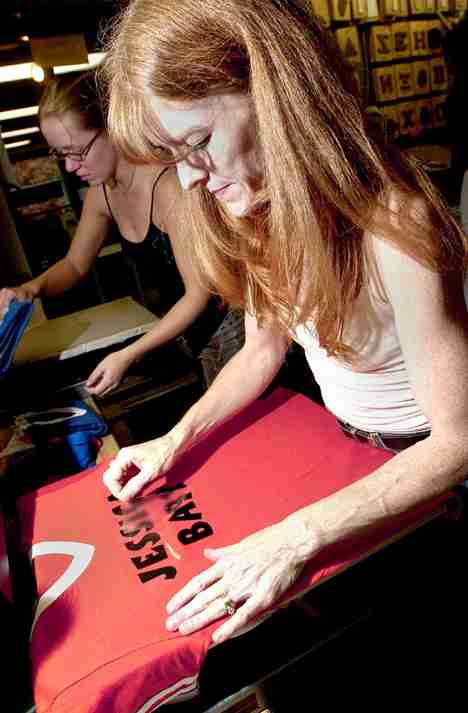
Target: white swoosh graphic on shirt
<point x="81" y="554"/>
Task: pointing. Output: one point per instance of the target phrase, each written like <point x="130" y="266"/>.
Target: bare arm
<point x="66" y="273"/>
<point x="260" y="357"/>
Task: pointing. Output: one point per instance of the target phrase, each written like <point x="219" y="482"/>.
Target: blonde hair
<point x="77" y="95"/>
<point x="302" y="254"/>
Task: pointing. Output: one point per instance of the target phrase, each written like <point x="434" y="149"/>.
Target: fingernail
<point x="171" y="624"/>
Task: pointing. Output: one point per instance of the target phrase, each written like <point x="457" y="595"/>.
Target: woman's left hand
<point x="109" y="372"/>
<point x="251" y="575"/>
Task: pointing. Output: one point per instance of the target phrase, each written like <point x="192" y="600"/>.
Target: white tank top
<point x="373" y="393"/>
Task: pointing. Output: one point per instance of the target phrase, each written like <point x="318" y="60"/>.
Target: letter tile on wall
<point x="460" y="5"/>
<point x="435" y="37"/>
<point x="431" y="6"/>
<point x="439" y="117"/>
<point x="408" y="119"/>
<point x="373" y="12"/>
<point x="340" y="10"/>
<point x="417" y="7"/>
<point x="359" y="9"/>
<point x="401" y="40"/>
<point x="421" y="77"/>
<point x="390" y="8"/>
<point x="392" y="119"/>
<point x="404" y="8"/>
<point x="384" y="83"/>
<point x="381" y="43"/>
<point x="348" y="42"/>
<point x="321" y="9"/>
<point x="404" y="80"/>
<point x="443" y="5"/>
<point x="439" y="75"/>
<point x="424" y="112"/>
<point x="419" y="39"/>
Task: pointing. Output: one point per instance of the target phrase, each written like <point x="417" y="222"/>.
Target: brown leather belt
<point x="390" y="442"/>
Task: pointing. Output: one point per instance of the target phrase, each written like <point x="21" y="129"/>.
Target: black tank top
<point x="155" y="266"/>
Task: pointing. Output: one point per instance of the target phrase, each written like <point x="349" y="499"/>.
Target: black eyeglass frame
<point x="79" y="156"/>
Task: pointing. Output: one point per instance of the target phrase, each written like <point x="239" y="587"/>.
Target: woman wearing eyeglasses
<point x="145" y="203"/>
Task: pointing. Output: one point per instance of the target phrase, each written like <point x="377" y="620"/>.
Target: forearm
<point x="179" y="317"/>
<point x="241" y="381"/>
<point x="414" y="476"/>
<point x="57" y="279"/>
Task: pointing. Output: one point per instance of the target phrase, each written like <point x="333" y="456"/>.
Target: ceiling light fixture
<point x="17" y="144"/>
<point x="16" y="72"/>
<point x="94" y="58"/>
<point x="20" y="132"/>
<point x="18" y="113"/>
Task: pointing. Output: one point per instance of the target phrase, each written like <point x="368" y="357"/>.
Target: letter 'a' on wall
<point x="349" y="44"/>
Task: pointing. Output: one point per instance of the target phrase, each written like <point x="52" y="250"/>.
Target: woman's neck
<point x="124" y="176"/>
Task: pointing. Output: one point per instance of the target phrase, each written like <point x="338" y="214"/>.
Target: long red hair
<point x="302" y="255"/>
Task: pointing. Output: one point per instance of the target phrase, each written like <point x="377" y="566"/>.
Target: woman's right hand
<point x="23" y="293"/>
<point x="135" y="467"/>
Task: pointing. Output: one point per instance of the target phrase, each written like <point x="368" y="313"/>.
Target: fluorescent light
<point x="94" y="58"/>
<point x="20" y="132"/>
<point x="15" y="72"/>
<point x="18" y="113"/>
<point x="15" y="144"/>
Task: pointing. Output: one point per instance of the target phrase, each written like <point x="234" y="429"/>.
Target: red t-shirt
<point x="105" y="570"/>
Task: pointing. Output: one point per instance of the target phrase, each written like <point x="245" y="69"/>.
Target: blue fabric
<point x="12" y="327"/>
<point x="80" y="432"/>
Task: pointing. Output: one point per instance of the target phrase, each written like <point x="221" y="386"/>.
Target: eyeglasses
<point x="74" y="155"/>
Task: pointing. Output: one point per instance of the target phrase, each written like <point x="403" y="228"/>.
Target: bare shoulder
<point x="94" y="201"/>
<point x="168" y="199"/>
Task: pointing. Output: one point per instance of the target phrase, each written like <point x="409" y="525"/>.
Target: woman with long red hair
<point x="323" y="235"/>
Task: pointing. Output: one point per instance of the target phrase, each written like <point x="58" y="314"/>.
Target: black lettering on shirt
<point x="152" y="537"/>
<point x="166" y="572"/>
<point x="184" y="513"/>
<point x="149" y="559"/>
<point x="197" y="532"/>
